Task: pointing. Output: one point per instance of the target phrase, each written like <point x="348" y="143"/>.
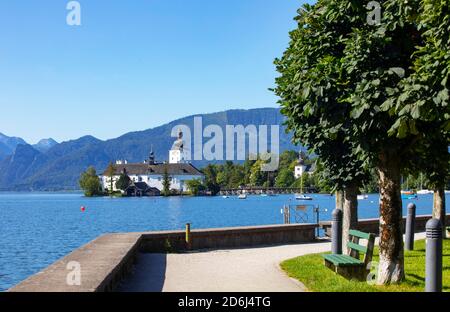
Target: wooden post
<point x="188" y="236"/>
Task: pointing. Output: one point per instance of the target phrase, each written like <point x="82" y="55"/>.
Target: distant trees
<point x="166" y="182"/>
<point x="123" y="182"/>
<point x="195" y="186"/>
<point x="285" y="178"/>
<point x="211" y="183"/>
<point x="110" y="172"/>
<point x="90" y="183"/>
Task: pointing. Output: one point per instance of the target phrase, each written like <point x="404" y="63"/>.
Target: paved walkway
<point x="234" y="270"/>
<point x="237" y="270"/>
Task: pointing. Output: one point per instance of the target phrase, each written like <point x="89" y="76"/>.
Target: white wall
<point x="178" y="182"/>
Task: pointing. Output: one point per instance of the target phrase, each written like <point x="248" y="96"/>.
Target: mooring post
<point x="433" y="265"/>
<point x="410" y="224"/>
<point x="188" y="236"/>
<point x="336" y="232"/>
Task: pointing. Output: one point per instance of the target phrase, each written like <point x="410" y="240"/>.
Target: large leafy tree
<point x="312" y="93"/>
<point x="424" y="104"/>
<point x="377" y="59"/>
<point x="342" y="90"/>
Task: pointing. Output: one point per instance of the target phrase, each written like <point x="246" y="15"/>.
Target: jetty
<point x="258" y="190"/>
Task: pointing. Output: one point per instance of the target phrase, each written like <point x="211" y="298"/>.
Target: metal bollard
<point x="433" y="266"/>
<point x="410" y="225"/>
<point x="188" y="236"/>
<point x="336" y="232"/>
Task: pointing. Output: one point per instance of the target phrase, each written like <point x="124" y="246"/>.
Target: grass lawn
<point x="311" y="271"/>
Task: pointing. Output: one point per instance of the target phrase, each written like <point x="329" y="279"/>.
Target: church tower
<point x="176" y="153"/>
<point x="151" y="157"/>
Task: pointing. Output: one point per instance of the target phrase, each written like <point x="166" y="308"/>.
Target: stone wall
<point x="237" y="237"/>
<point x="105" y="261"/>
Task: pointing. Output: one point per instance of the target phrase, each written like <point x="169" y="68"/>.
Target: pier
<point x="258" y="190"/>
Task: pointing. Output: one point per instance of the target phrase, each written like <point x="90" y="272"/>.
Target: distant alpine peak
<point x="45" y="144"/>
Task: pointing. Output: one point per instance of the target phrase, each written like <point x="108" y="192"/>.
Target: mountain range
<point x="52" y="166"/>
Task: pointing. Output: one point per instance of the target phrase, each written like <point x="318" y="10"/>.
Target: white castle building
<point x="147" y="177"/>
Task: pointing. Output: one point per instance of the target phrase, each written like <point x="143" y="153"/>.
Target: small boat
<point x="424" y="192"/>
<point x="408" y="193"/>
<point x="225" y="196"/>
<point x="409" y="196"/>
<point x="447" y="192"/>
<point x="242" y="196"/>
<point x="302" y="197"/>
<point x="363" y="197"/>
<point x="264" y="195"/>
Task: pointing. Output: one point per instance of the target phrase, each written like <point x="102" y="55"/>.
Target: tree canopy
<point x="370" y="95"/>
<point x="90" y="183"/>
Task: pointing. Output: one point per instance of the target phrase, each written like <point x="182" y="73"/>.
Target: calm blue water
<point x="37" y="229"/>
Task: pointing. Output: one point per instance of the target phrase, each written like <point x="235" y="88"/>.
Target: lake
<point x="36" y="229"/>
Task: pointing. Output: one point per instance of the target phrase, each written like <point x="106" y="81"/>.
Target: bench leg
<point x="349" y="273"/>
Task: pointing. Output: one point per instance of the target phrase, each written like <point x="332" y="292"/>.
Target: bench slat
<point x="359" y="234"/>
<point x="357" y="247"/>
<point x="342" y="260"/>
<point x="345" y="258"/>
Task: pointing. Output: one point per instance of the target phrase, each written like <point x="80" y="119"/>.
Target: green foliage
<point x="211" y="183"/>
<point x="312" y="90"/>
<point x="230" y="175"/>
<point x="195" y="186"/>
<point x="342" y="88"/>
<point x="123" y="182"/>
<point x="110" y="172"/>
<point x="166" y="183"/>
<point x="285" y="178"/>
<point x="90" y="183"/>
<point x="424" y="102"/>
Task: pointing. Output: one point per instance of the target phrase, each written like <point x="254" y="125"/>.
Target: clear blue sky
<point x="134" y="65"/>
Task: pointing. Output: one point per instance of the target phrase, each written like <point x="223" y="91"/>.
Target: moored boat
<point x="409" y="196"/>
<point x="302" y="197"/>
<point x="424" y="192"/>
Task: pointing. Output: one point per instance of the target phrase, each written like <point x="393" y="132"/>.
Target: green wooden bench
<point x="350" y="265"/>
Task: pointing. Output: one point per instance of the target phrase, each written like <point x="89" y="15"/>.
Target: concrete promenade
<point x="234" y="270"/>
<point x="227" y="259"/>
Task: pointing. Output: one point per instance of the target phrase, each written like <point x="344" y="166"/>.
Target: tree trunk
<point x="350" y="213"/>
<point x="391" y="266"/>
<point x="439" y="207"/>
<point x="340" y="200"/>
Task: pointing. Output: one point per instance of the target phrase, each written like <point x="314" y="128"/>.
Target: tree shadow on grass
<point x="415" y="276"/>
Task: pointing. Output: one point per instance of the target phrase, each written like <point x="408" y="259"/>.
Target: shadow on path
<point x="148" y="275"/>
